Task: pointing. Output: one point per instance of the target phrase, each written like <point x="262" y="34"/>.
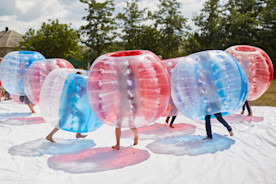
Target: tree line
<point x="219" y="25"/>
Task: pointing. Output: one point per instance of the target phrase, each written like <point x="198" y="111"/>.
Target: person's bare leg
<point x="33" y="111"/>
<point x="31" y="106"/>
<point x="134" y="130"/>
<point x="50" y="136"/>
<point x="79" y="135"/>
<point x="118" y="137"/>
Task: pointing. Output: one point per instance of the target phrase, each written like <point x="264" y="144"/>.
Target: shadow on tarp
<point x="192" y="145"/>
<point x="4" y="132"/>
<point x="160" y="131"/>
<point x="23" y="121"/>
<point x="41" y="147"/>
<point x="98" y="159"/>
<point x="5" y="116"/>
<point x="243" y="118"/>
<point x="1" y="108"/>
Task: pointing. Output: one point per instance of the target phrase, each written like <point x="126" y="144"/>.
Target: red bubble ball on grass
<point x="258" y="68"/>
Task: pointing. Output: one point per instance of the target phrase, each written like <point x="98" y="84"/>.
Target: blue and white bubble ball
<point x="64" y="103"/>
<point x="13" y="67"/>
<point x="207" y="83"/>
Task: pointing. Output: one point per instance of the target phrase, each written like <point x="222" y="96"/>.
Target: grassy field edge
<point x="268" y="98"/>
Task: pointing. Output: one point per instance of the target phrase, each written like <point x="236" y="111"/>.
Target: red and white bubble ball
<point x="170" y="64"/>
<point x="36" y="74"/>
<point x="128" y="88"/>
<point x="258" y="68"/>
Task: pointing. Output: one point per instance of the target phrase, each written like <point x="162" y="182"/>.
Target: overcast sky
<point x="21" y="15"/>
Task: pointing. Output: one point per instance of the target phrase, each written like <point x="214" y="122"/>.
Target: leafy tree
<point x="131" y="19"/>
<point x="115" y="46"/>
<point x="267" y="32"/>
<point x="98" y="33"/>
<point x="241" y="21"/>
<point x="192" y="44"/>
<point x="249" y="22"/>
<point x="209" y="23"/>
<point x="150" y="39"/>
<point x="171" y="24"/>
<point x="53" y="40"/>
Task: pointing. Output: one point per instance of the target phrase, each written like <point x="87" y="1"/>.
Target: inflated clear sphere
<point x="208" y="82"/>
<point x="64" y="103"/>
<point x="13" y="68"/>
<point x="128" y="88"/>
<point x="170" y="64"/>
<point x="36" y="74"/>
<point x="15" y="98"/>
<point x="258" y="68"/>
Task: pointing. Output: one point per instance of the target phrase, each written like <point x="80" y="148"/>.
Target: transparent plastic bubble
<point x="36" y="74"/>
<point x="15" y="98"/>
<point x="13" y="68"/>
<point x="257" y="66"/>
<point x="208" y="82"/>
<point x="170" y="64"/>
<point x="128" y="88"/>
<point x="64" y="103"/>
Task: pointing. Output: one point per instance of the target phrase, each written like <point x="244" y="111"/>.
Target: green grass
<point x="268" y="98"/>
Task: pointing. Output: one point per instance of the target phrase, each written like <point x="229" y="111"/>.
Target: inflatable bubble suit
<point x="257" y="66"/>
<point x="15" y="98"/>
<point x="13" y="68"/>
<point x="128" y="88"/>
<point x="36" y="74"/>
<point x="208" y="82"/>
<point x="170" y="64"/>
<point x="63" y="101"/>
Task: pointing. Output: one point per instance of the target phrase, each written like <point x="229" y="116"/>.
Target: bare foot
<point x="231" y="133"/>
<point x="49" y="138"/>
<point x="207" y="138"/>
<point x="135" y="140"/>
<point x="116" y="147"/>
<point x="79" y="135"/>
<point x="171" y="126"/>
<point x="167" y="121"/>
<point x="33" y="112"/>
<point x="242" y="112"/>
<point x="249" y="114"/>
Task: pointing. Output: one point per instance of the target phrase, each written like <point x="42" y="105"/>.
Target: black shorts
<point x="24" y="99"/>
